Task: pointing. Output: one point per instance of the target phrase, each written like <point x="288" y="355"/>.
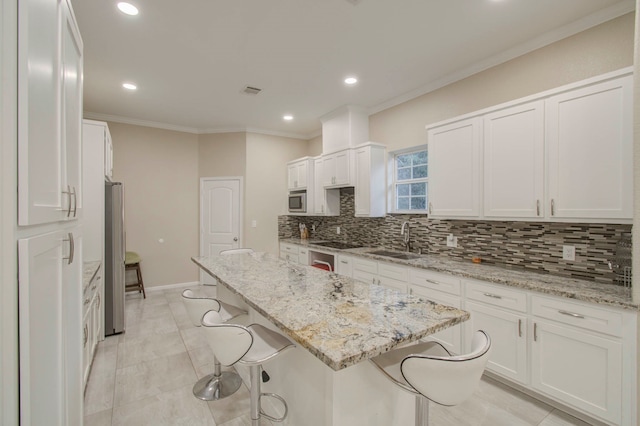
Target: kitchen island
<point x="337" y="323"/>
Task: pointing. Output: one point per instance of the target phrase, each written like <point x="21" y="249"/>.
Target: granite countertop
<point x="89" y="270"/>
<point x="583" y="290"/>
<point x="339" y="320"/>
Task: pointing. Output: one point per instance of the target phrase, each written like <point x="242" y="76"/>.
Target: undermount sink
<point x="395" y="254"/>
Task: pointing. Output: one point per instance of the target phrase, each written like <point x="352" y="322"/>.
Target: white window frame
<point x="392" y="174"/>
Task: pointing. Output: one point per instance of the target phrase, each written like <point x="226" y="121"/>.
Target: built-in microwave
<point x="298" y="202"/>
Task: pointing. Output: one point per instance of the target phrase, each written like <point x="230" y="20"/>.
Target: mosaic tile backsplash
<point x="534" y="246"/>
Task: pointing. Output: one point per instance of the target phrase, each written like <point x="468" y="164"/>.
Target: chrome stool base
<point x="213" y="388"/>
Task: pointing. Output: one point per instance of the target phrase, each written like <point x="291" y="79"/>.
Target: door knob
<point x="235" y="238"/>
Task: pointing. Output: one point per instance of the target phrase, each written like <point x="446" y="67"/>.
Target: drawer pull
<point x="344" y="261"/>
<point x="535" y="332"/>
<point x="537" y="207"/>
<point x="493" y="296"/>
<point x="432" y="282"/>
<point x="519" y="328"/>
<point x="571" y="314"/>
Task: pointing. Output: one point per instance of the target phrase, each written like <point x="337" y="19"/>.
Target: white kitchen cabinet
<point x="502" y="313"/>
<point x="95" y="136"/>
<point x="337" y="169"/>
<point x="50" y="317"/>
<point x="326" y="202"/>
<point x="303" y="256"/>
<point x="49" y="113"/>
<point x="454" y="169"/>
<point x="514" y="162"/>
<point x="108" y="155"/>
<point x="380" y="273"/>
<point x="344" y="265"/>
<point x="289" y="252"/>
<point x="590" y="144"/>
<point x="365" y="270"/>
<point x="577" y="356"/>
<point x="370" y="198"/>
<point x="443" y="289"/>
<point x="298" y="173"/>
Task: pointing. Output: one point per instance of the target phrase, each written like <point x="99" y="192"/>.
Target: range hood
<point x="345" y="127"/>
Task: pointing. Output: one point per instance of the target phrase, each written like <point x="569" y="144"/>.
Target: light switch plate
<point x="568" y="253"/>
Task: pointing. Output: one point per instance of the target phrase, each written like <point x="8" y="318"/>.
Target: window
<point x="410" y="180"/>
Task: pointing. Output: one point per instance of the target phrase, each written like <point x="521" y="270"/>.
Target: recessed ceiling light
<point x="350" y="80"/>
<point x="288" y="117"/>
<point x="129" y="86"/>
<point x="127" y="8"/>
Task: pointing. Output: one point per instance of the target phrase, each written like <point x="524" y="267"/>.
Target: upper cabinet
<point x="298" y="173"/>
<point x="563" y="155"/>
<point x="345" y="127"/>
<point x="369" y="180"/>
<point x="590" y="144"/>
<point x="454" y="169"/>
<point x="49" y="114"/>
<point x="514" y="162"/>
<point x="337" y="169"/>
<point x="108" y="154"/>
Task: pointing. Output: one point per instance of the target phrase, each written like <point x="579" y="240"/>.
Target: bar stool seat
<point x="252" y="346"/>
<point x="132" y="262"/>
<point x="431" y="373"/>
<point x="218" y="384"/>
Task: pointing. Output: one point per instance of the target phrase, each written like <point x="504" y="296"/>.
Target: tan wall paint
<point x="314" y="146"/>
<point x="601" y="49"/>
<point x="222" y="154"/>
<point x="158" y="169"/>
<point x="266" y="187"/>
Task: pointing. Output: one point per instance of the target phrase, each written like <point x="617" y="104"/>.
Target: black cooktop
<point x="337" y="245"/>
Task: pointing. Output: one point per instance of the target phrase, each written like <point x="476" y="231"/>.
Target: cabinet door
<point x="393" y="284"/>
<point x="514" y="162"/>
<point x="292" y="176"/>
<point x="590" y="143"/>
<point x="345" y="265"/>
<point x="72" y="110"/>
<point x="319" y="191"/>
<point x="328" y="170"/>
<point x="579" y="368"/>
<point x="302" y="168"/>
<point x="40" y="197"/>
<point x="50" y="315"/>
<point x="370" y="198"/>
<point x="454" y="169"/>
<point x="450" y="338"/>
<point x="507" y="331"/>
<point x="343" y="168"/>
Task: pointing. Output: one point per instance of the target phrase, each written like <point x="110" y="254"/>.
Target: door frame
<point x="203" y="180"/>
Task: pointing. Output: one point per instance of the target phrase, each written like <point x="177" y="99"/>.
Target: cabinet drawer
<point x="289" y="248"/>
<point x="578" y="315"/>
<point x="392" y="271"/>
<point x="435" y="281"/>
<point x="289" y="257"/>
<point x="400" y="285"/>
<point x="365" y="277"/>
<point x="497" y="296"/>
<point x="303" y="256"/>
<point x="370" y="266"/>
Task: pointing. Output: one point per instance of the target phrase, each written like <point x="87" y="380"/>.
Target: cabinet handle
<point x="86" y="336"/>
<point x="75" y="201"/>
<point x="519" y="328"/>
<point x="68" y="192"/>
<point x="493" y="296"/>
<point x="98" y="301"/>
<point x="430" y="205"/>
<point x="553" y="207"/>
<point x="71" y="249"/>
<point x="344" y="261"/>
<point x="571" y="314"/>
<point x="537" y="207"/>
<point x="535" y="332"/>
<point x="373" y="280"/>
<point x="432" y="282"/>
<point x="411" y="291"/>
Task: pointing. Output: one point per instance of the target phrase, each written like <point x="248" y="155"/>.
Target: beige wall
<point x="606" y="47"/>
<point x="160" y="176"/>
<point x="222" y="154"/>
<point x="266" y="187"/>
<point x="314" y="146"/>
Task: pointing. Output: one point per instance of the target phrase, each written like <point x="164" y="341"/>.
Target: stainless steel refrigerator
<point x="114" y="259"/>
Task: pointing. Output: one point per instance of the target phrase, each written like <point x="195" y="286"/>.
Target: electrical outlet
<point x="254" y="223"/>
<point x="452" y="241"/>
<point x="337" y="230"/>
<point x="568" y="252"/>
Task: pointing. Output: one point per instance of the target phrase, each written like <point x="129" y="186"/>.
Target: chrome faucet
<point x="406" y="233"/>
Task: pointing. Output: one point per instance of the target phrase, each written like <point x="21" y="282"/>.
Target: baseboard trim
<point x="171" y="286"/>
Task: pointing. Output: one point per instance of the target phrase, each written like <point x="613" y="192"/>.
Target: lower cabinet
<point x="450" y="337"/>
<point x="92" y="323"/>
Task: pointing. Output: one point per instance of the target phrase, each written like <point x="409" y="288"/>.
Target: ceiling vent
<point x="250" y="90"/>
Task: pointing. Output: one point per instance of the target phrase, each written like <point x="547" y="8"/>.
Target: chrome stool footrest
<point x="281" y="399"/>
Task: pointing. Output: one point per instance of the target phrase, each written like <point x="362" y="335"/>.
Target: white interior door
<point x="220" y="217"/>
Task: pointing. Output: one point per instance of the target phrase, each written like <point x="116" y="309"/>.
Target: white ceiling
<point x="192" y="58"/>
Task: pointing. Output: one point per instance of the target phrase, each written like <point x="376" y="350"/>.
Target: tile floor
<point x="145" y="376"/>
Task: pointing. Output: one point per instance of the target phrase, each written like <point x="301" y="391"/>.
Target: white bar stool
<point x="235" y="251"/>
<point x="430" y="372"/>
<point x="219" y="384"/>
<point x="252" y="346"/>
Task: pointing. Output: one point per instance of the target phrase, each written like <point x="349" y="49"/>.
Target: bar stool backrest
<point x="448" y="380"/>
<point x="229" y="342"/>
<point x="198" y="306"/>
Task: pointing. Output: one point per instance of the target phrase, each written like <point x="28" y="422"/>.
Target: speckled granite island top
<point x="587" y="291"/>
<point x="339" y="320"/>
